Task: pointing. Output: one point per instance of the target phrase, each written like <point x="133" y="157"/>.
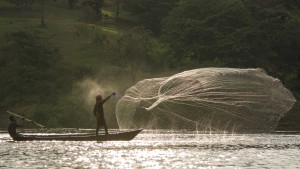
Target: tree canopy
<point x="236" y="34"/>
<point x="30" y="67"/>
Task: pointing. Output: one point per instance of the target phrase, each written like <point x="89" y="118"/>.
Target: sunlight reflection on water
<point x="157" y="149"/>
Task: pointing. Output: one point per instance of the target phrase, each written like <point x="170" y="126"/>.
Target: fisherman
<point x="12" y="127"/>
<point x="99" y="112"/>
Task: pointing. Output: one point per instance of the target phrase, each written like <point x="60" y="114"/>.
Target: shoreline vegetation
<point x="51" y="72"/>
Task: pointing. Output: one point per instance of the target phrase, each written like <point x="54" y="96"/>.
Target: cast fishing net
<point x="218" y="99"/>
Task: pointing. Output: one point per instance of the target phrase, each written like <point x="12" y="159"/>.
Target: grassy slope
<point x="62" y="23"/>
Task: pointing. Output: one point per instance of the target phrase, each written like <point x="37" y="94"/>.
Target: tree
<point x="31" y="69"/>
<point x="150" y="12"/>
<point x="72" y="3"/>
<point x="195" y="29"/>
<point x="133" y="51"/>
<point x="22" y="4"/>
<point x="43" y="24"/>
<point x="117" y="8"/>
<point x="248" y="33"/>
<point x="19" y="2"/>
<point x="237" y="33"/>
<point x="98" y="5"/>
<point x="95" y="5"/>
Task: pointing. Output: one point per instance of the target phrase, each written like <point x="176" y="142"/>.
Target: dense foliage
<point x="234" y="33"/>
<point x="29" y="66"/>
<point x="150" y="12"/>
<point x="187" y="34"/>
<point x="30" y="70"/>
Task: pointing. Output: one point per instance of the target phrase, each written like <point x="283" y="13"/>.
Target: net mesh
<point x="218" y="99"/>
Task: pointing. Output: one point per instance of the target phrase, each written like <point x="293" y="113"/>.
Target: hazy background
<point x="57" y="55"/>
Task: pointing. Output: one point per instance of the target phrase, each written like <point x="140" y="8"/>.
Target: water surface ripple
<point x="157" y="149"/>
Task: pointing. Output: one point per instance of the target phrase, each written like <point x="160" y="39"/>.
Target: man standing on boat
<point x="99" y="112"/>
<point x="12" y="127"/>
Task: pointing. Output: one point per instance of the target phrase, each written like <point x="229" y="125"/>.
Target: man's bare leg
<point x="105" y="127"/>
<point x="97" y="130"/>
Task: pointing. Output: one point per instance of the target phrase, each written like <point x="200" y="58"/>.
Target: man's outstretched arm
<point x="108" y="97"/>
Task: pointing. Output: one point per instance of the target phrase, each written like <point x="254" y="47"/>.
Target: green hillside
<point x="67" y="32"/>
<point x="52" y="74"/>
<point x="83" y="47"/>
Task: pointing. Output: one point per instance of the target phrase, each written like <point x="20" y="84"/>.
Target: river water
<point x="157" y="149"/>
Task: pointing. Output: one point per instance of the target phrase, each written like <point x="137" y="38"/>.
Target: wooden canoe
<point x="121" y="136"/>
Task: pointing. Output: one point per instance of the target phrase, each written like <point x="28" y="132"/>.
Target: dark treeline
<point x="165" y="36"/>
<point x="242" y="34"/>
